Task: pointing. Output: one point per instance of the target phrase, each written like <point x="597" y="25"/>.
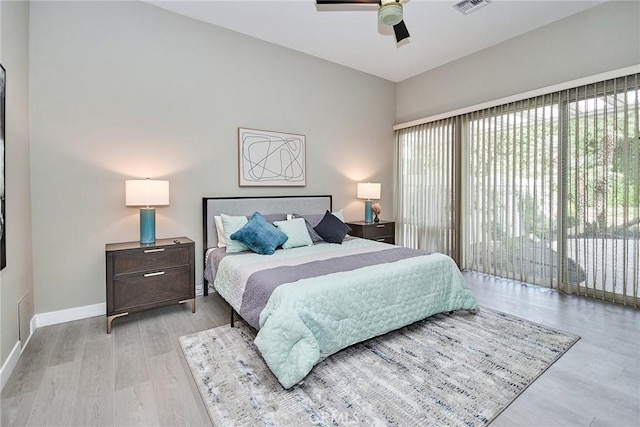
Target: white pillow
<point x="222" y="240"/>
<point x="339" y="215"/>
<point x="231" y="224"/>
<point x="296" y="231"/>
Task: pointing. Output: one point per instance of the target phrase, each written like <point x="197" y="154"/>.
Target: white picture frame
<point x="271" y="159"/>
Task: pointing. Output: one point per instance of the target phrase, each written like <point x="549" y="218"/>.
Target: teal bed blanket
<point x="310" y="302"/>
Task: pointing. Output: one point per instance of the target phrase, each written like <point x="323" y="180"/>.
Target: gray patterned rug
<point x="459" y="369"/>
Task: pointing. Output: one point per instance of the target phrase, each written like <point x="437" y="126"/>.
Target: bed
<point x="309" y="302"/>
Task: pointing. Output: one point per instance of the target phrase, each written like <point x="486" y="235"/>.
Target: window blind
<point x="551" y="189"/>
<point x="427" y="187"/>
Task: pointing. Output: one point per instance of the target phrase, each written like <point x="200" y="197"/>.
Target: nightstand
<point x="144" y="276"/>
<point x="383" y="231"/>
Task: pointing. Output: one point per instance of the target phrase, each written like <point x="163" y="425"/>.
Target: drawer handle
<point x="148" y="251"/>
<point x="159" y="273"/>
<point x="381" y="240"/>
<point x="380" y="226"/>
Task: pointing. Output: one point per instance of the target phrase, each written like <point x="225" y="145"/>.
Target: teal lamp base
<point x="147" y="225"/>
<point x="368" y="212"/>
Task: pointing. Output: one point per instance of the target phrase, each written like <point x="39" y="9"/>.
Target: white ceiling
<point x="352" y="37"/>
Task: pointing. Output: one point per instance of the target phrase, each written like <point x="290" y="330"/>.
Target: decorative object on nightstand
<point x="382" y="231"/>
<point x="368" y="191"/>
<point x="148" y="193"/>
<point x="142" y="276"/>
<point x="376" y="211"/>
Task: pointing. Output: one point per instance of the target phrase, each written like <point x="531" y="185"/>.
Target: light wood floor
<point x="74" y="374"/>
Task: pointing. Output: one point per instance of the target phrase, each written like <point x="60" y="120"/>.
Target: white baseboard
<point x="76" y="313"/>
<point x="68" y="315"/>
<point x="46" y="319"/>
<point x="10" y="364"/>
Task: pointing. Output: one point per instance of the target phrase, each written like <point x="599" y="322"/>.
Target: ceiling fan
<point x="389" y="13"/>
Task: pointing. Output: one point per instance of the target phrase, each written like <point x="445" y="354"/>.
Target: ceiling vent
<point x="467" y="6"/>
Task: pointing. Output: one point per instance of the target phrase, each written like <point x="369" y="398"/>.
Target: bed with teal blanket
<point x="309" y="302"/>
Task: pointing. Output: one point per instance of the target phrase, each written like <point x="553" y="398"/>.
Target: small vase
<point x="376" y="219"/>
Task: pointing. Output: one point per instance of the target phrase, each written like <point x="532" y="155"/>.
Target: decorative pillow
<point x="231" y="224"/>
<point x="296" y="231"/>
<point x="274" y="217"/>
<point x="339" y="215"/>
<point x="260" y="236"/>
<point x="332" y="229"/>
<point x="315" y="237"/>
<point x="313" y="220"/>
<point x="222" y="240"/>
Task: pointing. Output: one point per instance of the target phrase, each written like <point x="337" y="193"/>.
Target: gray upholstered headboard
<point x="212" y="206"/>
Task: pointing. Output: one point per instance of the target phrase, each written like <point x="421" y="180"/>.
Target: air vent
<point x="467" y="6"/>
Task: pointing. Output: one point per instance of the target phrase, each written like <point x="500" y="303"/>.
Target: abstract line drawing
<point x="270" y="158"/>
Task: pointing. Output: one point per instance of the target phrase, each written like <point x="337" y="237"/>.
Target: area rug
<point x="450" y="369"/>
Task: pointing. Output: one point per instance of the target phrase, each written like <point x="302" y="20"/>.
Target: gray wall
<point x="600" y="39"/>
<point x="123" y="90"/>
<point x="16" y="279"/>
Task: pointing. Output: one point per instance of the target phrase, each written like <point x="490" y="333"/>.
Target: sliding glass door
<point x="512" y="203"/>
<point x="544" y="191"/>
<point x="602" y="212"/>
<point x="553" y="190"/>
<point x="427" y="181"/>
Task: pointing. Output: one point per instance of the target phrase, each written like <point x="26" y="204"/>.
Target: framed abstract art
<point x="271" y="158"/>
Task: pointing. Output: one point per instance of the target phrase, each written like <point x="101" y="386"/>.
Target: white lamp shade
<point x="146" y="192"/>
<point x="368" y="190"/>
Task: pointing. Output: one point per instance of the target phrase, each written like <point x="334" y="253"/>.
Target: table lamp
<point x="368" y="191"/>
<point x="148" y="193"/>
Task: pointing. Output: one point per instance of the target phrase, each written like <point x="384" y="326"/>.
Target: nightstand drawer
<point x="142" y="276"/>
<point x="383" y="231"/>
<point x="378" y="230"/>
<point x="150" y="259"/>
<point x="385" y="239"/>
<point x="140" y="289"/>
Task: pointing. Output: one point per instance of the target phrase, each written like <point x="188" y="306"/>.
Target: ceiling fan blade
<point x="401" y="31"/>
<point x="347" y="1"/>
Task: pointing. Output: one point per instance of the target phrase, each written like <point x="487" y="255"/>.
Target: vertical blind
<point x="512" y="203"/>
<point x="426" y="187"/>
<point x="551" y="189"/>
<point x="602" y="204"/>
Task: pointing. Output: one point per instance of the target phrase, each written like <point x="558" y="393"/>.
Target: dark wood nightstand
<point x="143" y="276"/>
<point x="383" y="231"/>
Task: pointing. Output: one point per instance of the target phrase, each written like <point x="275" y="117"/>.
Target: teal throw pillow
<point x="259" y="236"/>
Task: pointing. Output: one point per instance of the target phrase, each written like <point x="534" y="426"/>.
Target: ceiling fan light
<point x="390" y="13"/>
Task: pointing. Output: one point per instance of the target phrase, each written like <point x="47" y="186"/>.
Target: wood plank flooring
<point x="597" y="382"/>
<point x="74" y="374"/>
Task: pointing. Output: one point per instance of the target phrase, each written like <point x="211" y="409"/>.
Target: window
<point x="549" y="189"/>
<point x="601" y="221"/>
<point x="426" y="183"/>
